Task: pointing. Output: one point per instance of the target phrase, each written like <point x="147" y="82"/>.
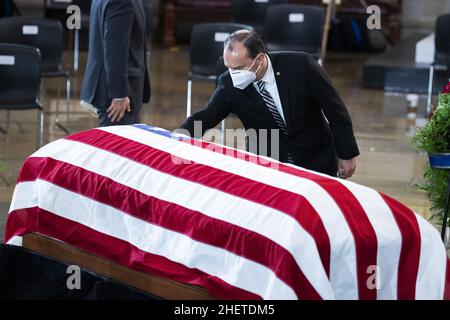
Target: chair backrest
<point x="294" y="27"/>
<point x="442" y="38"/>
<point x="45" y="34"/>
<point x="207" y="45"/>
<point x="252" y="12"/>
<point x="20" y="74"/>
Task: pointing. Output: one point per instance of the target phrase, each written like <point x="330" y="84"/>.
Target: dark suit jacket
<point x="116" y="66"/>
<point x="305" y="91"/>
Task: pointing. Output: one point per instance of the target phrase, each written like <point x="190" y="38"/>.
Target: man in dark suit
<point x="286" y="91"/>
<point x="116" y="81"/>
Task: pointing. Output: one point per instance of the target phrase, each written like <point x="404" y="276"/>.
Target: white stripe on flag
<point x="342" y="244"/>
<point x="214" y="203"/>
<point x="15" y="241"/>
<point x="432" y="265"/>
<point x="154" y="239"/>
<point x="27" y="200"/>
<point x="389" y="238"/>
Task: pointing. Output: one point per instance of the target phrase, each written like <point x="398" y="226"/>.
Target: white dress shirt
<point x="271" y="87"/>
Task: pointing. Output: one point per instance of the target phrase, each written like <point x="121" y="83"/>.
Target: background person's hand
<point x="117" y="109"/>
<point x="346" y="168"/>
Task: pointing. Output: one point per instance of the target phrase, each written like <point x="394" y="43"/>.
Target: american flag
<point x="238" y="225"/>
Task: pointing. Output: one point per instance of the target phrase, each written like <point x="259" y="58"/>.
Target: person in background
<point x="6" y="8"/>
<point x="116" y="81"/>
<point x="285" y="91"/>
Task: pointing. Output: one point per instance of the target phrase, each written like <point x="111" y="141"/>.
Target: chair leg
<point x="58" y="98"/>
<point x="76" y="45"/>
<point x="57" y="122"/>
<point x="447" y="207"/>
<point x="189" y="98"/>
<point x="41" y="128"/>
<point x="68" y="101"/>
<point x="8" y="121"/>
<point x="430" y="88"/>
<point x="223" y="127"/>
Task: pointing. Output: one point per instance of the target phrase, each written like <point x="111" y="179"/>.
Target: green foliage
<point x="436" y="187"/>
<point x="435" y="138"/>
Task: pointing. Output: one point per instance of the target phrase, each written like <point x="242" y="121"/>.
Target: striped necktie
<point x="268" y="100"/>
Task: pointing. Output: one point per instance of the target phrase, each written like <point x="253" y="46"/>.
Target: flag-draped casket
<point x="238" y="225"/>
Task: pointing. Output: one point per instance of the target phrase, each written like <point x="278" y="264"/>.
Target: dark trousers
<point x="132" y="117"/>
<point x="6" y="8"/>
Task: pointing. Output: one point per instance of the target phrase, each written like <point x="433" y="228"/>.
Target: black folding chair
<point x="206" y="47"/>
<point x="252" y="12"/>
<point x="441" y="53"/>
<point x="290" y="27"/>
<point x="46" y="35"/>
<point x="85" y="8"/>
<point x="20" y="80"/>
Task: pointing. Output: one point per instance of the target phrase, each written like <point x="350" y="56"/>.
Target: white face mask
<point x="243" y="78"/>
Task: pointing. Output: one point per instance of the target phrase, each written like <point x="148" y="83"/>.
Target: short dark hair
<point x="249" y="39"/>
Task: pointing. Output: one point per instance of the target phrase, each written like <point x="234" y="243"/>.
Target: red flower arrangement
<point x="446" y="89"/>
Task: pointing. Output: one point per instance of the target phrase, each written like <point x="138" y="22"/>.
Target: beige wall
<point x="417" y="14"/>
<point x="30" y="3"/>
<point x="422" y="14"/>
<point x="31" y="7"/>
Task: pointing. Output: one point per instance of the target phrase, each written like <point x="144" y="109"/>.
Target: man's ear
<point x="261" y="57"/>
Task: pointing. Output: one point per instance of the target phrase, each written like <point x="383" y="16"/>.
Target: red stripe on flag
<point x="119" y="251"/>
<point x="366" y="244"/>
<point x="405" y="218"/>
<point x="296" y="206"/>
<point x="21" y="222"/>
<point x="408" y="267"/>
<point x="360" y="226"/>
<point x="170" y="216"/>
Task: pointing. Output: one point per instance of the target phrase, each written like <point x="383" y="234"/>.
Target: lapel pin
<point x="278" y="73"/>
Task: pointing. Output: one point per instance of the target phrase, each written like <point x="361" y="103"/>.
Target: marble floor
<point x="387" y="163"/>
